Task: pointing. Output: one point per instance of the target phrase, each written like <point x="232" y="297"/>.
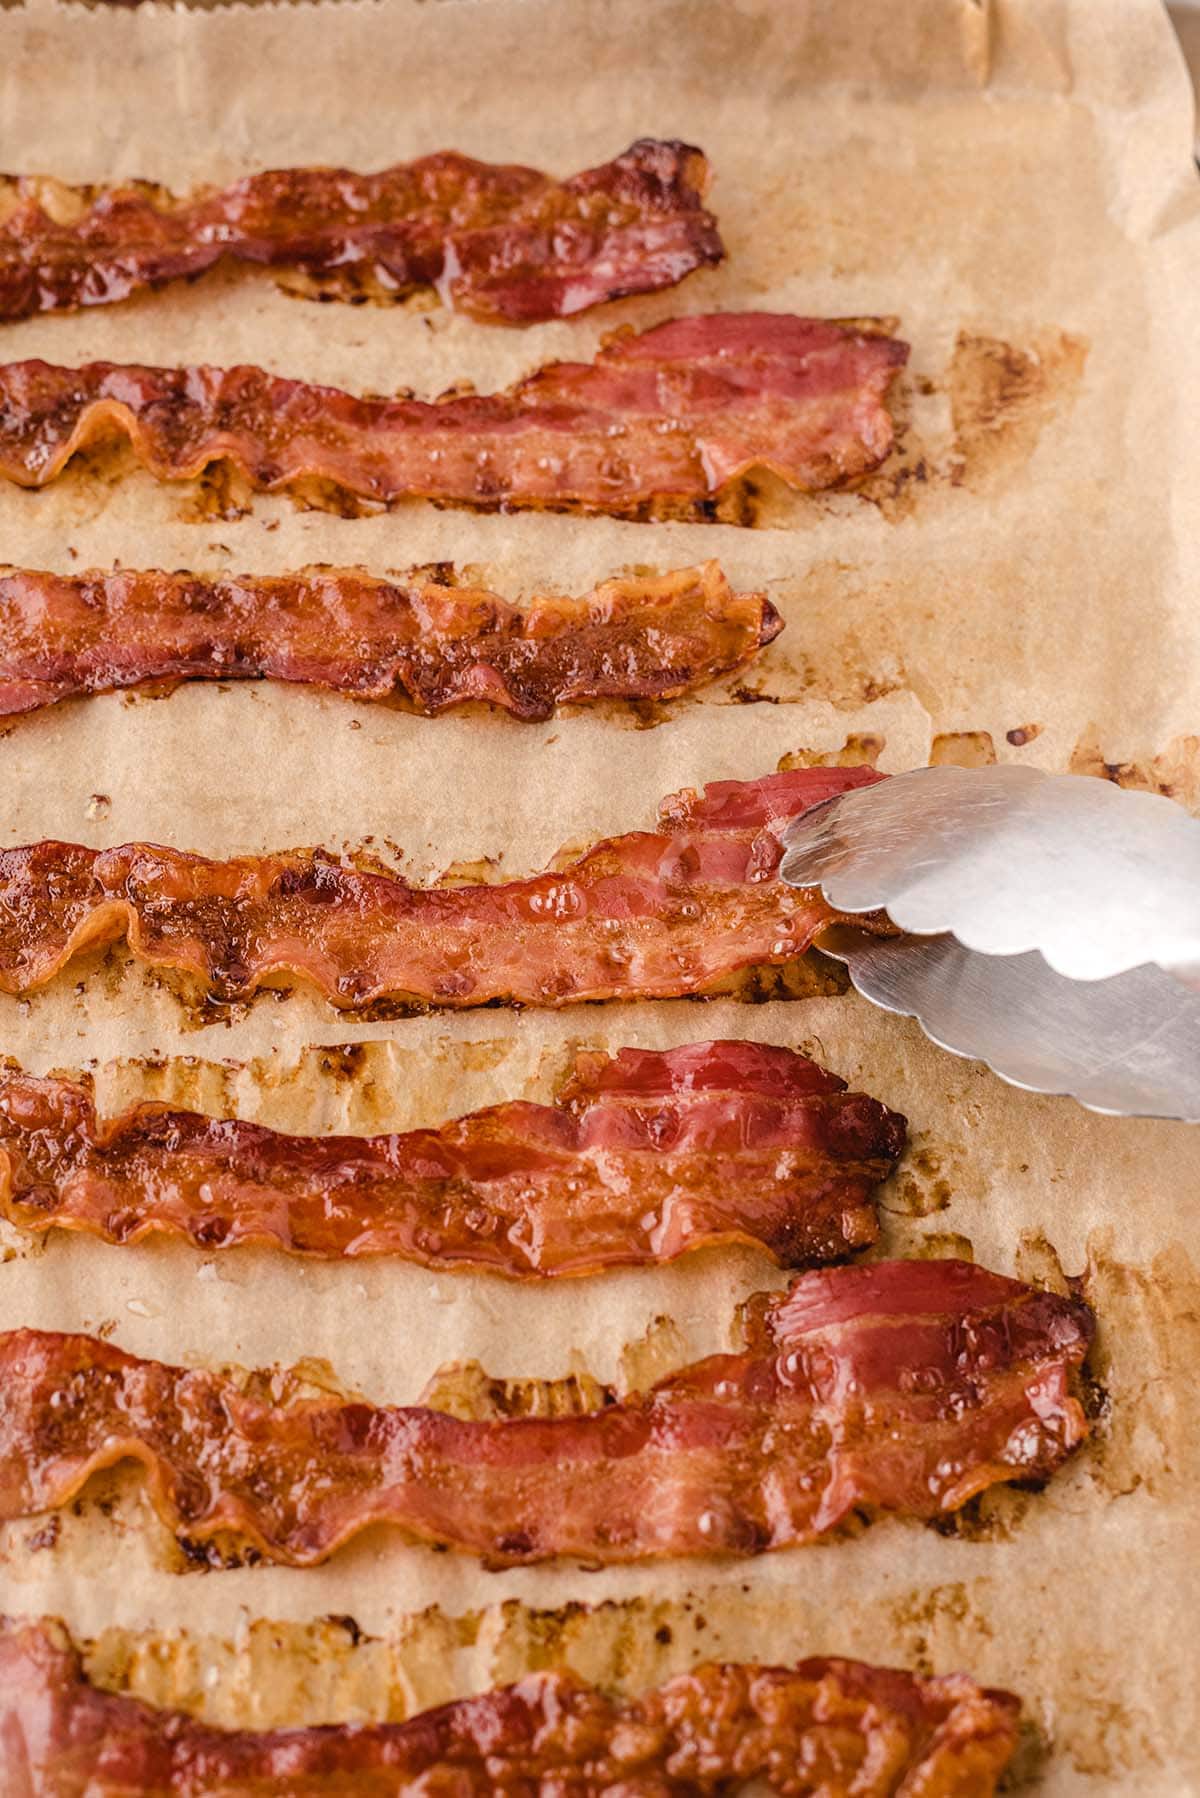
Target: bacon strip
<point x="500" y="242"/>
<point x="646" y="915"/>
<point x="644" y="1157"/>
<point x="837" y="1728"/>
<point x="432" y="644"/>
<point x="900" y="1386"/>
<point x="673" y="415"/>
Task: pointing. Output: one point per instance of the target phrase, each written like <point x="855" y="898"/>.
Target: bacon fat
<point x="902" y="1386"/>
<point x="652" y="914"/>
<point x="674" y="415"/>
<point x="646" y="1155"/>
<point x="837" y="1728"/>
<point x="502" y="243"/>
<point x="430" y="643"/>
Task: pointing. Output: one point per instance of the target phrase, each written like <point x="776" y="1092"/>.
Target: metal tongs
<point x="1051" y="925"/>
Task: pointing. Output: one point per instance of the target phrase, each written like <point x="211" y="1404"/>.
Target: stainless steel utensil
<point x="1052" y="925"/>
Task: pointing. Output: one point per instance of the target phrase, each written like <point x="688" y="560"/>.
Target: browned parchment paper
<point x="1012" y="180"/>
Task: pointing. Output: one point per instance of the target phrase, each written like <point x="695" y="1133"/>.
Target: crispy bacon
<point x="645" y="1156"/>
<point x="500" y="242"/>
<point x="675" y="414"/>
<point x="432" y="644"/>
<point x="828" y="1728"/>
<point x="647" y="915"/>
<point x="900" y="1386"/>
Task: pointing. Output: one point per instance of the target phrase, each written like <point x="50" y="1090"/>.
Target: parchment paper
<point x="1012" y="181"/>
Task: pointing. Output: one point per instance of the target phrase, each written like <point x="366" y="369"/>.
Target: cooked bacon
<point x="500" y="242"/>
<point x="432" y="644"/>
<point x="828" y="1728"/>
<point x="645" y="1156"/>
<point x="903" y="1386"/>
<point x="647" y="915"/>
<point x="675" y="414"/>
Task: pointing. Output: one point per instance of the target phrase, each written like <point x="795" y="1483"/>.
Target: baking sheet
<point x="1013" y="180"/>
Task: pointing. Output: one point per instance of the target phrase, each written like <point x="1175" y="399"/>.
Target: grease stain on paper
<point x="1002" y="397"/>
<point x="1174" y="772"/>
<point x="861" y="749"/>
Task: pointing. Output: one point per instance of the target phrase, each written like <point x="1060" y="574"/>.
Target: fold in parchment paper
<point x="1012" y="182"/>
